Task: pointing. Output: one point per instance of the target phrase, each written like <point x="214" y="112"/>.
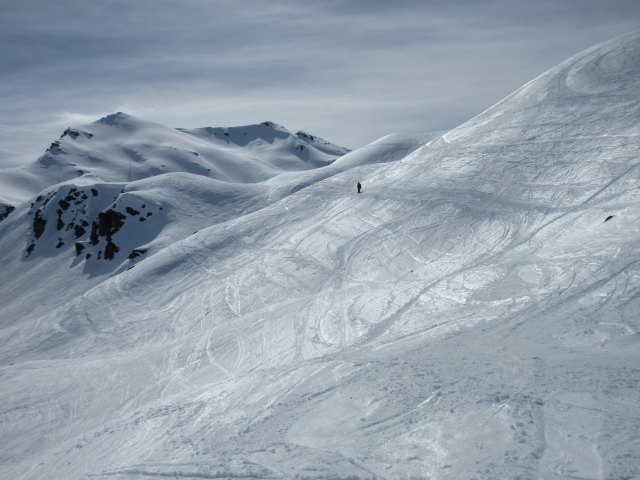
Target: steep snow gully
<point x="469" y="315"/>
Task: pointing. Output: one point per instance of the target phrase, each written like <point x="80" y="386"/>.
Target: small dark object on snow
<point x="136" y="252"/>
<point x="359" y="187"/>
<point x="608" y="218"/>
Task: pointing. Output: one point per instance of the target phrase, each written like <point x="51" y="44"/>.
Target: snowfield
<point x="470" y="315"/>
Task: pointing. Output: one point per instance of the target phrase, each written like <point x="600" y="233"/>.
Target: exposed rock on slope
<point x="88" y="219"/>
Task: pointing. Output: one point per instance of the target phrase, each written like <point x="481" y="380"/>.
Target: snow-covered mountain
<point x="114" y="175"/>
<point x="473" y="313"/>
<point x="123" y="148"/>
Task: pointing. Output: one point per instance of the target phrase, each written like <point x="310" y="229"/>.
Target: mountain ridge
<point x="122" y="148"/>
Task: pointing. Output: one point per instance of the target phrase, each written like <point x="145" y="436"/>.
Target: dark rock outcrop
<point x="5" y="210"/>
<point x="110" y="250"/>
<point x="108" y="224"/>
<point x="79" y="231"/>
<point x="39" y="224"/>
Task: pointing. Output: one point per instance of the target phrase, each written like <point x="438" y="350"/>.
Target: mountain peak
<point x="115" y="118"/>
<point x="122" y="148"/>
<point x="596" y="83"/>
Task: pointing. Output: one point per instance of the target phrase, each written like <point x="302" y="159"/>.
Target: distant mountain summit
<point x="123" y="148"/>
<point x="307" y="147"/>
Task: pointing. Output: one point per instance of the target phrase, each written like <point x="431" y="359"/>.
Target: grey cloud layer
<point x="348" y="70"/>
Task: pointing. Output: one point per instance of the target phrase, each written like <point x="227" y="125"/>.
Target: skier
<point x="359" y="187"/>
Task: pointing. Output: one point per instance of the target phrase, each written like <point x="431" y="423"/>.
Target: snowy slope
<point x="90" y="210"/>
<point x="470" y="315"/>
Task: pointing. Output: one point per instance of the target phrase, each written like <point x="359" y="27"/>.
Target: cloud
<point x="67" y="118"/>
<point x="347" y="70"/>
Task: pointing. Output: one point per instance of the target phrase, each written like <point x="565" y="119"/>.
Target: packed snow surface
<point x="470" y="314"/>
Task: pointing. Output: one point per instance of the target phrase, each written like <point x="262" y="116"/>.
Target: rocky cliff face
<point x="99" y="222"/>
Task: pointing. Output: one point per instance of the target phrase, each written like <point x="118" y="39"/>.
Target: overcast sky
<point x="350" y="71"/>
